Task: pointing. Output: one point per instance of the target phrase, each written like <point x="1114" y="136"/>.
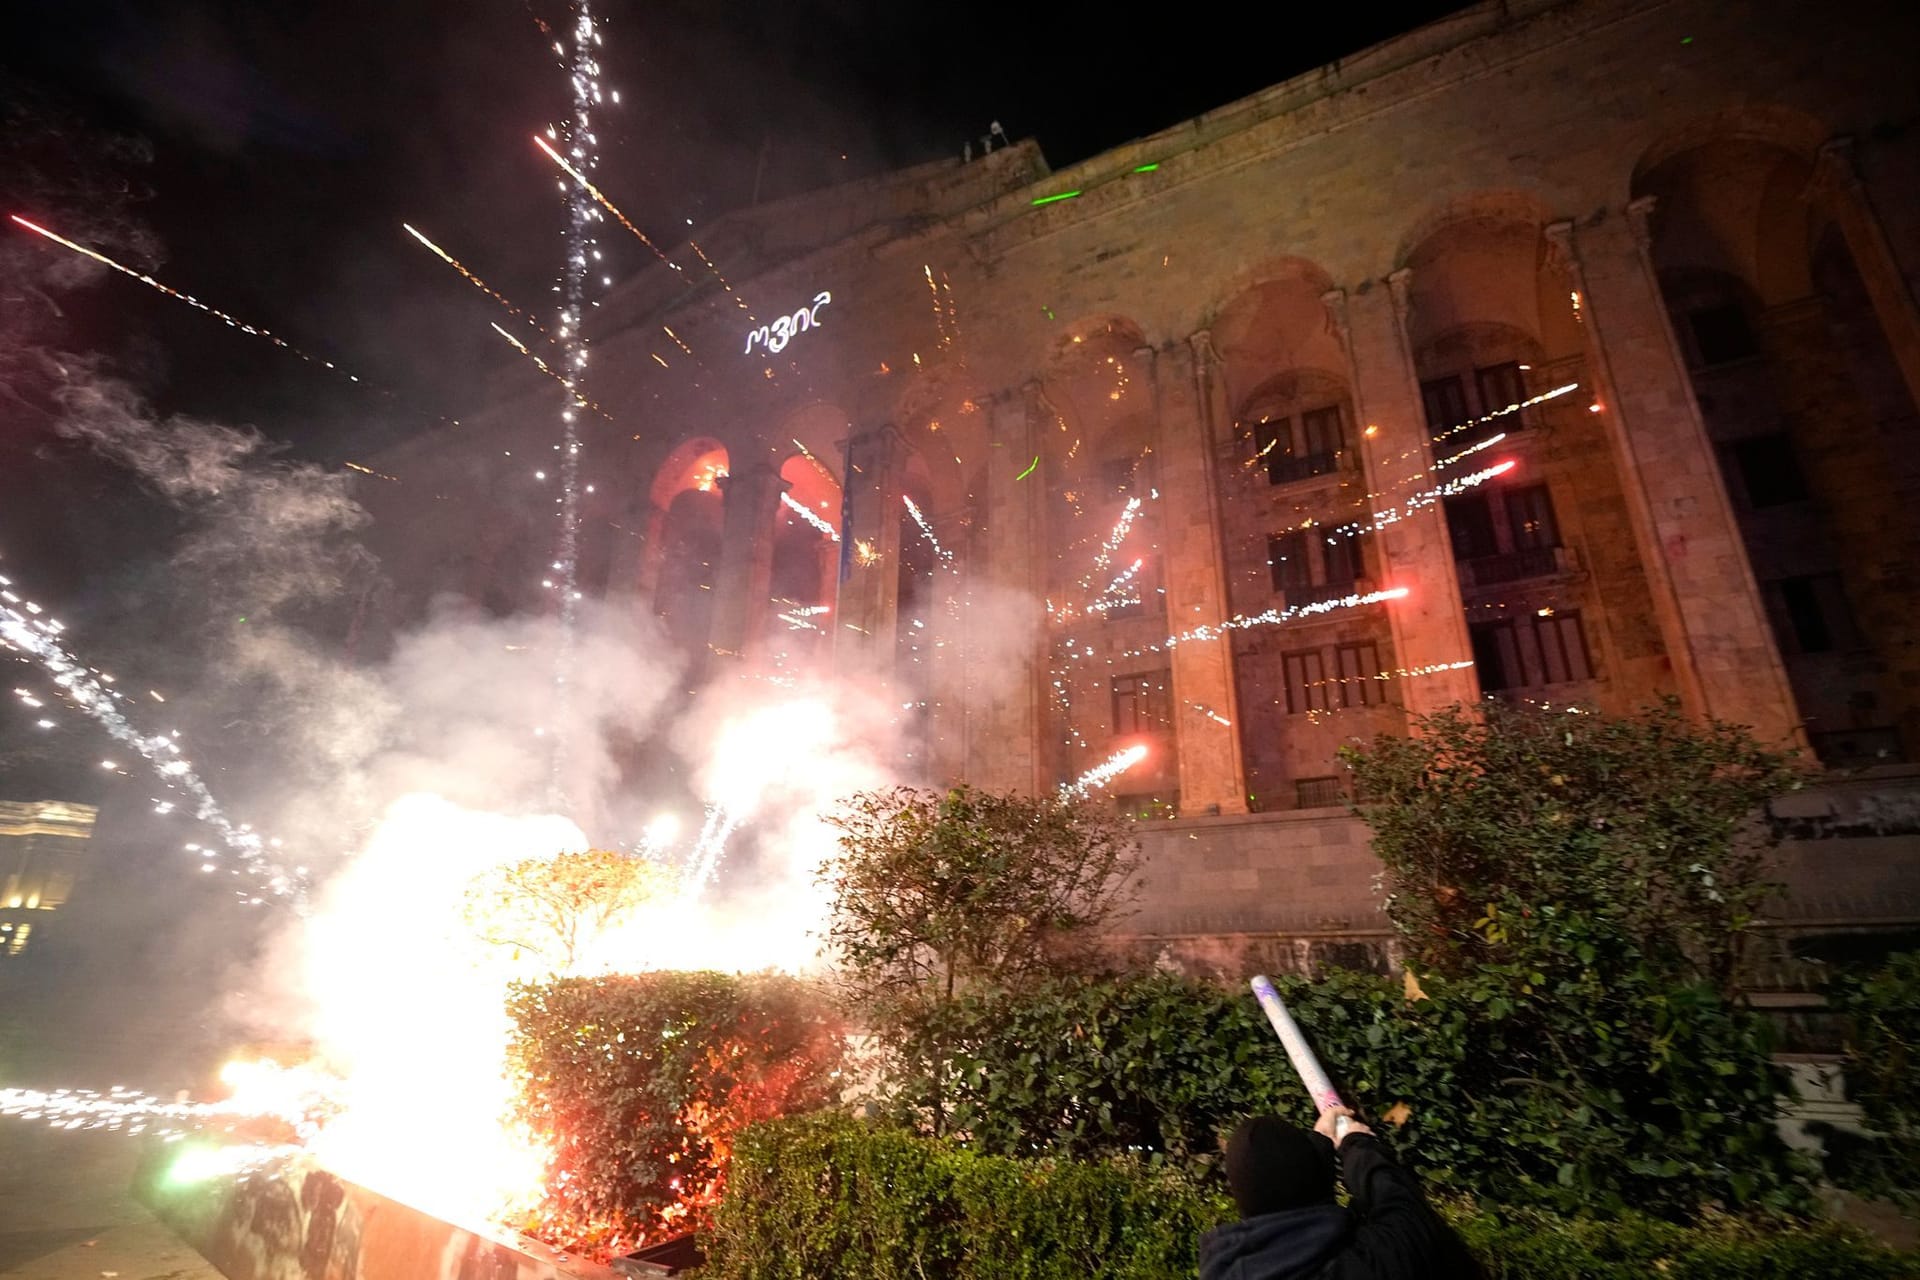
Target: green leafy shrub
<point x="1882" y="1010"/>
<point x="1572" y="845"/>
<point x="1590" y="882"/>
<point x="1672" y="1104"/>
<point x="1519" y="1244"/>
<point x="641" y="1083"/>
<point x="825" y="1195"/>
<point x="940" y="893"/>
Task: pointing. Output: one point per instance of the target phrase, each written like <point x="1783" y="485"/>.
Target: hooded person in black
<point x="1282" y="1181"/>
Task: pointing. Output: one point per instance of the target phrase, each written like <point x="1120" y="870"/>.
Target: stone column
<point x="652" y="552"/>
<point x="633" y="532"/>
<point x="1428" y="625"/>
<point x="744" y="577"/>
<point x="866" y="617"/>
<point x="1213" y="777"/>
<point x="1005" y="640"/>
<point x="1711" y="619"/>
<point x="1837" y="188"/>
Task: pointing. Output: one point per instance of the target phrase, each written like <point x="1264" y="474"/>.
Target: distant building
<point x="43" y="846"/>
<point x="1193" y="444"/>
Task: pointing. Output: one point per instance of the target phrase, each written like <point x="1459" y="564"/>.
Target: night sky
<point x="291" y="139"/>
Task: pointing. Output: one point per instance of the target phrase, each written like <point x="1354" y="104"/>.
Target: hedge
<point x="828" y="1195"/>
<point x="641" y="1083"/>
<point x="1577" y="1117"/>
<point x="1882" y="1011"/>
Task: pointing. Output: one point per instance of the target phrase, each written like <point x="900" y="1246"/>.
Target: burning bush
<point x="640" y="1083"/>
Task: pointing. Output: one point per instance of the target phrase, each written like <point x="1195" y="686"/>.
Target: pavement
<point x="67" y="1211"/>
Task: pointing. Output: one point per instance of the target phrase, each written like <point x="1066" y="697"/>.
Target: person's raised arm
<point x="1398" y="1233"/>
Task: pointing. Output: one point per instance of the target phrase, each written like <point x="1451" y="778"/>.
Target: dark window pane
<point x="1769" y="473"/>
<point x="1320" y="431"/>
<point x="1721" y="334"/>
<point x="1273" y="445"/>
<point x="1358" y="666"/>
<point x="1470" y="522"/>
<point x="1496" y="653"/>
<point x="1500" y="385"/>
<point x="1306" y="676"/>
<point x="1446" y="404"/>
<point x="1563" y="648"/>
<point x="1117" y="475"/>
<point x="1530" y="518"/>
<point x="1143" y="703"/>
<point x="1343" y="559"/>
<point x="1811" y="630"/>
<point x="1287" y="559"/>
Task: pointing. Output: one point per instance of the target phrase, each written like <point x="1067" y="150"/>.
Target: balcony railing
<point x="1319" y="793"/>
<point x="1514" y="566"/>
<point x="1299" y="596"/>
<point x="1286" y="468"/>
<point x="1460" y="439"/>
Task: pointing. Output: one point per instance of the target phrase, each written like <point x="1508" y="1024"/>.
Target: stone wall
<point x="1299" y="891"/>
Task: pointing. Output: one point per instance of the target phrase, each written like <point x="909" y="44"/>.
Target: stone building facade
<point x="1562" y="349"/>
<point x="43" y="847"/>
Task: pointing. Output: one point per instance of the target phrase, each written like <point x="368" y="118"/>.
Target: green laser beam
<point x="1064" y="195"/>
<point x="1031" y="468"/>
<point x="1148" y="168"/>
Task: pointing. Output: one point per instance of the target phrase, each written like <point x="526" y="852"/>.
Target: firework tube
<point x="1312" y="1074"/>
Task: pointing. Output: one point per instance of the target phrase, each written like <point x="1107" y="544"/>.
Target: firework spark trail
<point x="473" y="279"/>
<point x="573" y="347"/>
<point x="811" y="516"/>
<point x="1426" y="498"/>
<point x="1398" y="673"/>
<point x="1104" y="558"/>
<point x="1109" y="597"/>
<point x="1469" y="451"/>
<point x="1555" y="393"/>
<point x="703" y="861"/>
<point x="87" y="1109"/>
<point x="738" y="301"/>
<point x="22" y="629"/>
<point x="926" y="531"/>
<point x="1103" y="773"/>
<point x="601" y="197"/>
<point x="1268" y="618"/>
<point x="301" y="1099"/>
<point x="800" y="617"/>
<point x="551" y="372"/>
<point x="256" y="330"/>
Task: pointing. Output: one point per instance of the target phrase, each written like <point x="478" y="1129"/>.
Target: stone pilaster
<point x="865" y="623"/>
<point x="743" y="578"/>
<point x="1838" y="188"/>
<point x="1711" y="618"/>
<point x="1428" y="626"/>
<point x="1212" y="774"/>
<point x="1005" y="641"/>
<point x="652" y="551"/>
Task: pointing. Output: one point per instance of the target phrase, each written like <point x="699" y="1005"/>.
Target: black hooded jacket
<point x="1390" y="1232"/>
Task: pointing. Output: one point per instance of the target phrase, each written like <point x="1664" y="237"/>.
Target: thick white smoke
<point x="402" y="779"/>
